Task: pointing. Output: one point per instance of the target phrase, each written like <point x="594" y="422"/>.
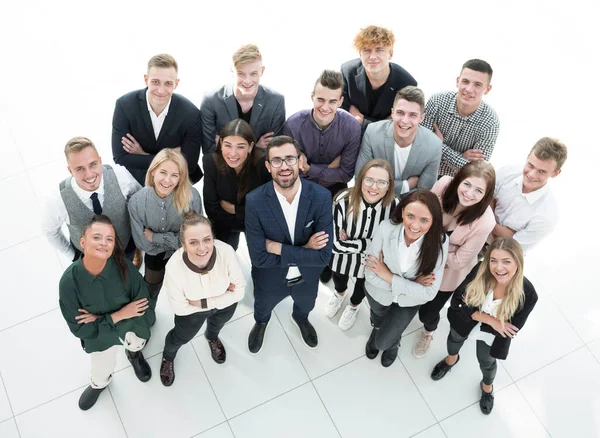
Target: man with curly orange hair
<point x="372" y="81"/>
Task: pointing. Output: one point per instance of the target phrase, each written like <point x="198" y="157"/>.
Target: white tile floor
<point x="65" y="63"/>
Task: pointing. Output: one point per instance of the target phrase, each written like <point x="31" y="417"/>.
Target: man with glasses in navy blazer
<point x="148" y="120"/>
<point x="289" y="228"/>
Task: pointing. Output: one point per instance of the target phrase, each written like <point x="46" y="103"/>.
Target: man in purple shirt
<point x="329" y="137"/>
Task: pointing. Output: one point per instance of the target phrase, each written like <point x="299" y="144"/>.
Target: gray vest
<point x="114" y="206"/>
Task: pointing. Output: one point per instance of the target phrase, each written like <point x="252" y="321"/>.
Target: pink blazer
<point x="465" y="242"/>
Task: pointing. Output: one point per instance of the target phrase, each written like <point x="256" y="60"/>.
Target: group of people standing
<point x="427" y="220"/>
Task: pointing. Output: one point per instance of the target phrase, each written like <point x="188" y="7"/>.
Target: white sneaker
<point x="348" y="317"/>
<point x="422" y="346"/>
<point x="334" y="304"/>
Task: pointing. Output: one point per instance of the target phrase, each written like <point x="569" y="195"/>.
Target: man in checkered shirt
<point x="467" y="126"/>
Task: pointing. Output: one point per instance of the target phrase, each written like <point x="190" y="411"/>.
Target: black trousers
<point x="487" y="364"/>
<point x="231" y="238"/>
<point x="391" y="321"/>
<point x="186" y="327"/>
<point x="429" y="313"/>
<point x="340" y="282"/>
<point x="265" y="300"/>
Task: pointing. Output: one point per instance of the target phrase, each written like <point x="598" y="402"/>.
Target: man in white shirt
<point x="92" y="189"/>
<point x="523" y="203"/>
<point x="288" y="227"/>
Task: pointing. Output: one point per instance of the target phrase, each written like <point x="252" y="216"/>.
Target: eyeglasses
<point x="381" y="184"/>
<point x="278" y="162"/>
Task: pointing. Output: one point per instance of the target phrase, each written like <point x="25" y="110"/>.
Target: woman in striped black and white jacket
<point x="357" y="212"/>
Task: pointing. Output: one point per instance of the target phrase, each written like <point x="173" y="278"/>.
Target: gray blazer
<point x="219" y="107"/>
<point x="423" y="160"/>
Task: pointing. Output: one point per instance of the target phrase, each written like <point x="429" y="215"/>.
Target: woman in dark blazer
<point x="496" y="296"/>
<point x="235" y="168"/>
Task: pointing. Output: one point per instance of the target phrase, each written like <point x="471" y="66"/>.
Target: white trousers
<point x="103" y="362"/>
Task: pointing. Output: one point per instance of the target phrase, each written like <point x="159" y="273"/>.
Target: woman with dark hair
<point x="468" y="221"/>
<point x="104" y="300"/>
<point x="233" y="170"/>
<point x="498" y="298"/>
<point x="404" y="268"/>
<point x="204" y="282"/>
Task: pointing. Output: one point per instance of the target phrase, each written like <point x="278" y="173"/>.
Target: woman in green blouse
<point x="104" y="300"/>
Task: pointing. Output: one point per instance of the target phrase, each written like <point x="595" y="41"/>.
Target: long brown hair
<point x="118" y="253"/>
<point x="478" y="169"/>
<point x="484" y="281"/>
<point x="354" y="194"/>
<point x="434" y="238"/>
<point x="239" y="128"/>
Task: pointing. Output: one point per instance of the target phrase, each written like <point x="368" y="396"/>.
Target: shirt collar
<point x="316" y="125"/>
<point x="198" y="270"/>
<point x="416" y="244"/>
<point x="296" y="197"/>
<point x="151" y="111"/>
<point x="85" y="276"/>
<point x="82" y="194"/>
<point x="531" y="197"/>
<point x="158" y="199"/>
<point x="453" y="109"/>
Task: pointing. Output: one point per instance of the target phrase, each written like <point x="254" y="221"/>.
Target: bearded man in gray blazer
<point x="413" y="151"/>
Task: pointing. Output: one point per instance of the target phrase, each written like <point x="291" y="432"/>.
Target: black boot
<point x="388" y="357"/>
<point x="256" y="337"/>
<point x="370" y="349"/>
<point x="89" y="397"/>
<point x="140" y="366"/>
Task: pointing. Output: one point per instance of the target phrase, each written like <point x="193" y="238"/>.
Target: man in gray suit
<point x="413" y="151"/>
<point x="246" y="99"/>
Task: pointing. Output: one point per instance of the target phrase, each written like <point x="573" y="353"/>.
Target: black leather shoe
<point x="167" y="372"/>
<point x="256" y="337"/>
<point x="217" y="350"/>
<point x="486" y="403"/>
<point x="370" y="350"/>
<point x="442" y="368"/>
<point x="140" y="366"/>
<point x="89" y="397"/>
<point x="326" y="275"/>
<point x="388" y="357"/>
<point x="308" y="333"/>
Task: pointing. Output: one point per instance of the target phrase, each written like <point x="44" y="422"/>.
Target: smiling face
<point x="86" y="168"/>
<point x="325" y="104"/>
<point x="376" y="59"/>
<point x="502" y="266"/>
<point x="417" y="220"/>
<point x="377" y="175"/>
<point x="235" y="151"/>
<point x="536" y="173"/>
<point x="472" y="86"/>
<point x="199" y="244"/>
<point x="166" y="177"/>
<point x="247" y="77"/>
<point x="406" y="117"/>
<point x="286" y="175"/>
<point x="471" y="191"/>
<point x="161" y="83"/>
<point x="98" y="241"/>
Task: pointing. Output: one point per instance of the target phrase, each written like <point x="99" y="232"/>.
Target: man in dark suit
<point x="372" y="81"/>
<point x="148" y="120"/>
<point x="289" y="228"/>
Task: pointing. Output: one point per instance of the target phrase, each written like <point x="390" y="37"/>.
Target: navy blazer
<point x="182" y="127"/>
<point x="265" y="220"/>
<point x="219" y="108"/>
<point x="355" y="90"/>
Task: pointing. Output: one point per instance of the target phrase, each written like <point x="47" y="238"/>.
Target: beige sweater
<point x="183" y="285"/>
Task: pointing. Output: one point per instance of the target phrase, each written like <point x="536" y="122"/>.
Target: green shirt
<point x="102" y="295"/>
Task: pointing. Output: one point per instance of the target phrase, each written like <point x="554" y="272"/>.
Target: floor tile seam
<point x="29" y="319"/>
<point x="551" y="362"/>
<point x="22" y="241"/>
<point x="419" y="391"/>
<point x="326" y="410"/>
<point x="208" y="430"/>
<point x="533" y="410"/>
<point x="292" y="345"/>
<point x="10" y="406"/>
<point x="117" y="410"/>
<point x="51" y="400"/>
<point x="566" y="318"/>
<point x="427" y="428"/>
<point x="592" y="353"/>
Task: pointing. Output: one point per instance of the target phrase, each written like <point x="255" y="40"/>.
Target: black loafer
<point x="442" y="368"/>
<point x="140" y="366"/>
<point x="256" y="337"/>
<point x="217" y="350"/>
<point x="388" y="357"/>
<point x="307" y="332"/>
<point x="89" y="397"/>
<point x="486" y="403"/>
<point x="370" y="350"/>
<point x="167" y="372"/>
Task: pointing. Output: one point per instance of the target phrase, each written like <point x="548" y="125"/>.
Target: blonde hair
<point x="77" y="144"/>
<point x="548" y="148"/>
<point x="246" y="54"/>
<point x="484" y="281"/>
<point x="182" y="196"/>
<point x="374" y="36"/>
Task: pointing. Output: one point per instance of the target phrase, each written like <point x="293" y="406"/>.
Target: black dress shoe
<point x="442" y="368"/>
<point x="256" y="337"/>
<point x="89" y="397"/>
<point x="217" y="350"/>
<point x="370" y="350"/>
<point x="486" y="403"/>
<point x="167" y="372"/>
<point x="326" y="275"/>
<point x="140" y="366"/>
<point x="308" y="333"/>
<point x="388" y="357"/>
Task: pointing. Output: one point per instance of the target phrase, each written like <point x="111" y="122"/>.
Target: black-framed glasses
<point x="278" y="162"/>
<point x="381" y="184"/>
